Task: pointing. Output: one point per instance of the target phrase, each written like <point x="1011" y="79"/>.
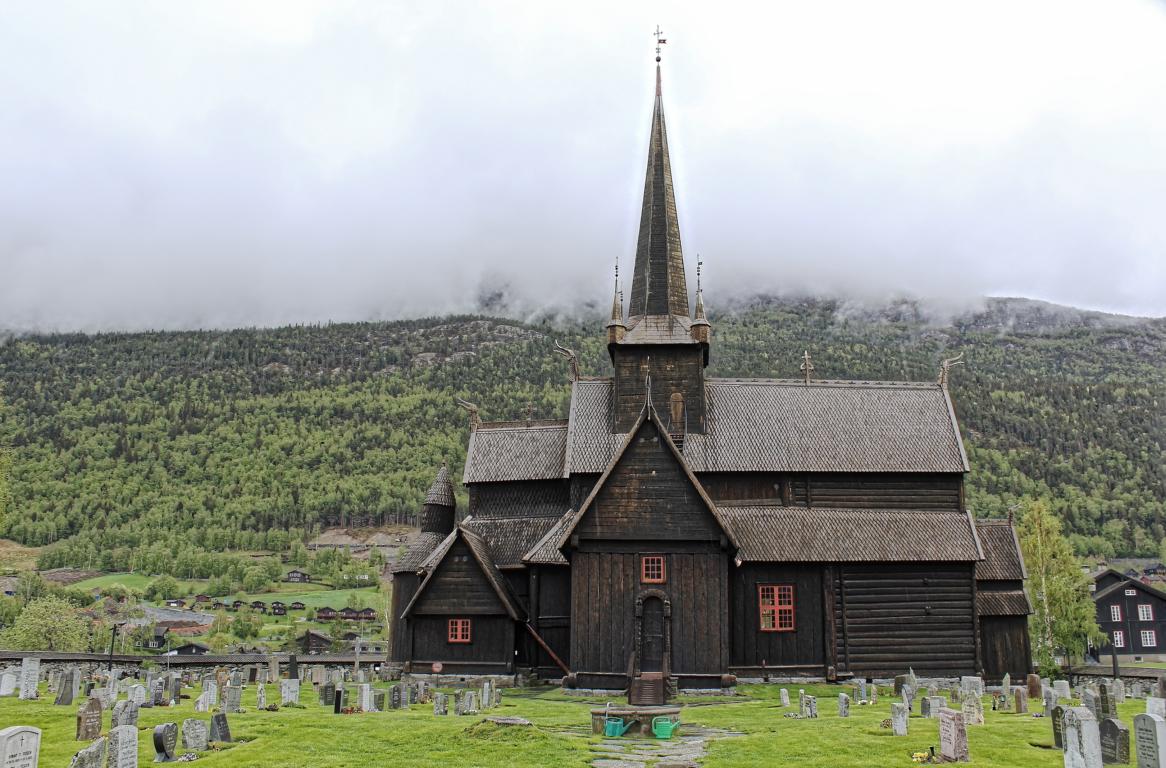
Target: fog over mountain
<point x="232" y="164"/>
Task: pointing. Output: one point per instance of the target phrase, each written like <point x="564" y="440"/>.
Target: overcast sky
<point x="171" y="165"/>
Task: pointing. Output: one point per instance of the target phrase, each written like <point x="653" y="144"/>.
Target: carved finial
<point x="807" y="367"/>
<point x="647" y="369"/>
<point x="529" y="412"/>
<point x="475" y="420"/>
<point x="572" y="358"/>
<point x="945" y="368"/>
<point x="659" y="35"/>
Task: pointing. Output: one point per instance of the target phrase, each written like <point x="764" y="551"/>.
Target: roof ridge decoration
<point x="658" y="284"/>
<point x="647" y="414"/>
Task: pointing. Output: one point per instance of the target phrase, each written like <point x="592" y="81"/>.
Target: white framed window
<point x="1149" y="638"/>
<point x="1131" y="593"/>
<point x="1145" y="612"/>
<point x="1119" y="639"/>
<point x="1115" y="613"/>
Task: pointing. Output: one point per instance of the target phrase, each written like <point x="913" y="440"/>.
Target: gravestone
<point x="1006" y="683"/>
<point x="123" y="747"/>
<point x="811" y="706"/>
<point x="1058" y="718"/>
<point x="237" y="677"/>
<point x="459" y="705"/>
<point x="220" y="728"/>
<point x="337" y="701"/>
<point x="1119" y="691"/>
<point x="67" y="687"/>
<point x="933" y="704"/>
<point x="88" y="720"/>
<point x="843" y="705"/>
<point x="874" y="694"/>
<point x="1107" y="705"/>
<point x="784" y="697"/>
<point x="125" y="713"/>
<point x="1115" y="741"/>
<point x="1082" y="739"/>
<point x="901" y="682"/>
<point x="1150" y="738"/>
<point x="158" y="693"/>
<point x="175" y="689"/>
<point x="1033" y="686"/>
<point x="953" y="736"/>
<point x="210" y="689"/>
<point x="19" y="746"/>
<point x="862" y="689"/>
<point x="802" y="702"/>
<point x="165" y="742"/>
<point x="327" y="693"/>
<point x="364" y="698"/>
<point x="475" y="706"/>
<point x="233" y="699"/>
<point x="273" y="668"/>
<point x="293" y="669"/>
<point x="92" y="756"/>
<point x="972" y="685"/>
<point x="497" y="696"/>
<point x="439" y="705"/>
<point x="899" y="719"/>
<point x="395" y="696"/>
<point x="1156" y="706"/>
<point x="203" y="702"/>
<point x="1020" y="701"/>
<point x="289" y="691"/>
<point x="1089" y="701"/>
<point x="486" y="697"/>
<point x="908" y="694"/>
<point x="973" y="709"/>
<point x="378" y="700"/>
<point x="7" y="684"/>
<point x="1061" y="688"/>
<point x="260" y="696"/>
<point x="29" y="677"/>
<point x="137" y="694"/>
<point x="194" y="735"/>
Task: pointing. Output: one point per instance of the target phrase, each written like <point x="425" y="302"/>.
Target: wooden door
<point x="652" y="636"/>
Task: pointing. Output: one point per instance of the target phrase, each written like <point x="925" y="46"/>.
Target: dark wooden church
<point x="678" y="530"/>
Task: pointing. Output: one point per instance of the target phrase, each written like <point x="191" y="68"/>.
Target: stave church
<point x="682" y="531"/>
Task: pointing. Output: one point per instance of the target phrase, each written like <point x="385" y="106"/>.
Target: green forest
<point x="177" y="452"/>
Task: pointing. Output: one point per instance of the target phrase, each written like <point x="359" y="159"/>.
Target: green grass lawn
<point x="138" y="581"/>
<point x="314" y="737"/>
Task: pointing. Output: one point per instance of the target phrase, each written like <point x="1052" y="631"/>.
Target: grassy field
<point x="299" y="738"/>
<point x="17" y="557"/>
<point x="311" y="595"/>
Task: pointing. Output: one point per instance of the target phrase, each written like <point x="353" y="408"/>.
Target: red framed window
<point x="459" y="630"/>
<point x="776" y="602"/>
<point x="652" y="569"/>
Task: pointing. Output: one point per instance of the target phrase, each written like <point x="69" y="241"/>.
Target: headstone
<point x="175" y="689"/>
<point x="1156" y="706"/>
<point x="972" y="685"/>
<point x="125" y="713"/>
<point x="1150" y="738"/>
<point x="273" y="668"/>
<point x="908" y="694"/>
<point x="1082" y="739"/>
<point x="899" y="719"/>
<point x="1115" y="741"/>
<point x="137" y="694"/>
<point x="973" y="709"/>
<point x="220" y="728"/>
<point x="475" y="705"/>
<point x="364" y="698"/>
<point x="811" y="706"/>
<point x="165" y="742"/>
<point x="784" y="697"/>
<point x="194" y="734"/>
<point x="289" y="691"/>
<point x="237" y="677"/>
<point x="1033" y="686"/>
<point x="901" y="682"/>
<point x="1089" y="701"/>
<point x="233" y="699"/>
<point x="459" y="705"/>
<point x="19" y="746"/>
<point x="158" y="693"/>
<point x="1006" y="683"/>
<point x="7" y="684"/>
<point x="67" y="687"/>
<point x="293" y="669"/>
<point x="261" y="696"/>
<point x="439" y="705"/>
<point x="327" y="693"/>
<point x="88" y="720"/>
<point x="931" y="705"/>
<point x="203" y="702"/>
<point x="1119" y="691"/>
<point x="862" y="689"/>
<point x="1020" y="700"/>
<point x="843" y="705"/>
<point x="1061" y="688"/>
<point x="411" y="695"/>
<point x="395" y="696"/>
<point x="378" y="699"/>
<point x="953" y="736"/>
<point x="1107" y="705"/>
<point x="123" y="747"/>
<point x="211" y="689"/>
<point x="337" y="701"/>
<point x="29" y="678"/>
<point x="1058" y="718"/>
<point x="874" y="694"/>
<point x="486" y="697"/>
<point x="92" y="756"/>
<point x="1048" y="699"/>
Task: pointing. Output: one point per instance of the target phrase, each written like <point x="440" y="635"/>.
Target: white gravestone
<point x="1082" y="739"/>
<point x="29" y="677"/>
<point x="1149" y="740"/>
<point x="19" y="746"/>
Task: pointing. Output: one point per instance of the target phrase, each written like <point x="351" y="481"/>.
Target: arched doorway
<point x="652" y="636"/>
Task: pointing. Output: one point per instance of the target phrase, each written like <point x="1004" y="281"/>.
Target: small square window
<point x="652" y="569"/>
<point x="1119" y="639"/>
<point x="1149" y="638"/>
<point x="1131" y="593"/>
<point x="459" y="630"/>
<point x="1145" y="612"/>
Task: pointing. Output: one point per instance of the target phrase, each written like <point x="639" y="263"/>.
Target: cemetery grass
<point x="313" y="736"/>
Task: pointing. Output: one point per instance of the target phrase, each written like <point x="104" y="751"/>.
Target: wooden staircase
<point x="647" y="690"/>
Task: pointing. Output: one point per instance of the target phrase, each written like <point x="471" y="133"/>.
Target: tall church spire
<point x="658" y="286"/>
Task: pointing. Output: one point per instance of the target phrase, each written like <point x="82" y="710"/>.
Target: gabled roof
<point x="481" y="553"/>
<point x="647" y="414"/>
<point x="546" y="551"/>
<point x="1128" y="583"/>
<point x="1002" y="557"/>
<point x="510" y="538"/>
<point x="420" y="548"/>
<point x="771" y="533"/>
<point x="516" y="450"/>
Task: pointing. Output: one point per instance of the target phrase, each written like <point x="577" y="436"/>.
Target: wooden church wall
<point x="801" y="651"/>
<point x="870" y="491"/>
<point x="459" y="587"/>
<point x="889" y="617"/>
<point x="605" y="586"/>
<point x="550" y="600"/>
<point x="1005" y="647"/>
<point x="490" y="650"/>
<point x="673" y="369"/>
<point x="404" y="587"/>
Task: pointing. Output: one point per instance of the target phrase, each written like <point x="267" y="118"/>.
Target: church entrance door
<point x="652" y="637"/>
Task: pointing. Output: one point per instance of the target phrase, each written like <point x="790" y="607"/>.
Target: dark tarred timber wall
<point x="802" y="651"/>
<point x="673" y="369"/>
<point x="490" y="650"/>
<point x="895" y="616"/>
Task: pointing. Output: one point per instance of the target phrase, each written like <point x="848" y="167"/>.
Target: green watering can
<point x="664" y="727"/>
<point x="614" y="726"/>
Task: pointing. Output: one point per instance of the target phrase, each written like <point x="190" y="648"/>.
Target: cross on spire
<point x="806" y="367"/>
<point x="659" y="35"/>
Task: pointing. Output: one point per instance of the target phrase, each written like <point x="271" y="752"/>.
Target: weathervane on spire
<point x="659" y="35"/>
<point x="699" y="264"/>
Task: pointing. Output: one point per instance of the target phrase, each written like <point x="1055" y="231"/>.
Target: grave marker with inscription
<point x="123" y="747"/>
<point x="1115" y="741"/>
<point x="1150" y="738"/>
<point x="953" y="736"/>
<point x="92" y="756"/>
<point x="19" y="746"/>
<point x="165" y="742"/>
<point x="88" y="720"/>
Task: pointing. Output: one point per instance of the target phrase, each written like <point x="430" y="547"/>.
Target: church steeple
<point x="658" y="285"/>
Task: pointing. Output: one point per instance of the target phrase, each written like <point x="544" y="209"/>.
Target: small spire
<point x="616" y="301"/>
<point x="698" y="315"/>
<point x="807" y="367"/>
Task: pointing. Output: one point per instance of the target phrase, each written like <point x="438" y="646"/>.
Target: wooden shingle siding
<point x="901" y="491"/>
<point x="530" y="498"/>
<point x="890" y="618"/>
<point x="673" y="369"/>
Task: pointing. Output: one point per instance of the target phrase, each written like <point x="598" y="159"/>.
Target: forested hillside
<point x="158" y="450"/>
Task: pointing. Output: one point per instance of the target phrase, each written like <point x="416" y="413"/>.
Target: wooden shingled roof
<point x="510" y="538"/>
<point x="768" y="533"/>
<point x="753" y="425"/>
<point x="1012" y="602"/>
<point x="481" y="553"/>
<point x="1002" y="559"/>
